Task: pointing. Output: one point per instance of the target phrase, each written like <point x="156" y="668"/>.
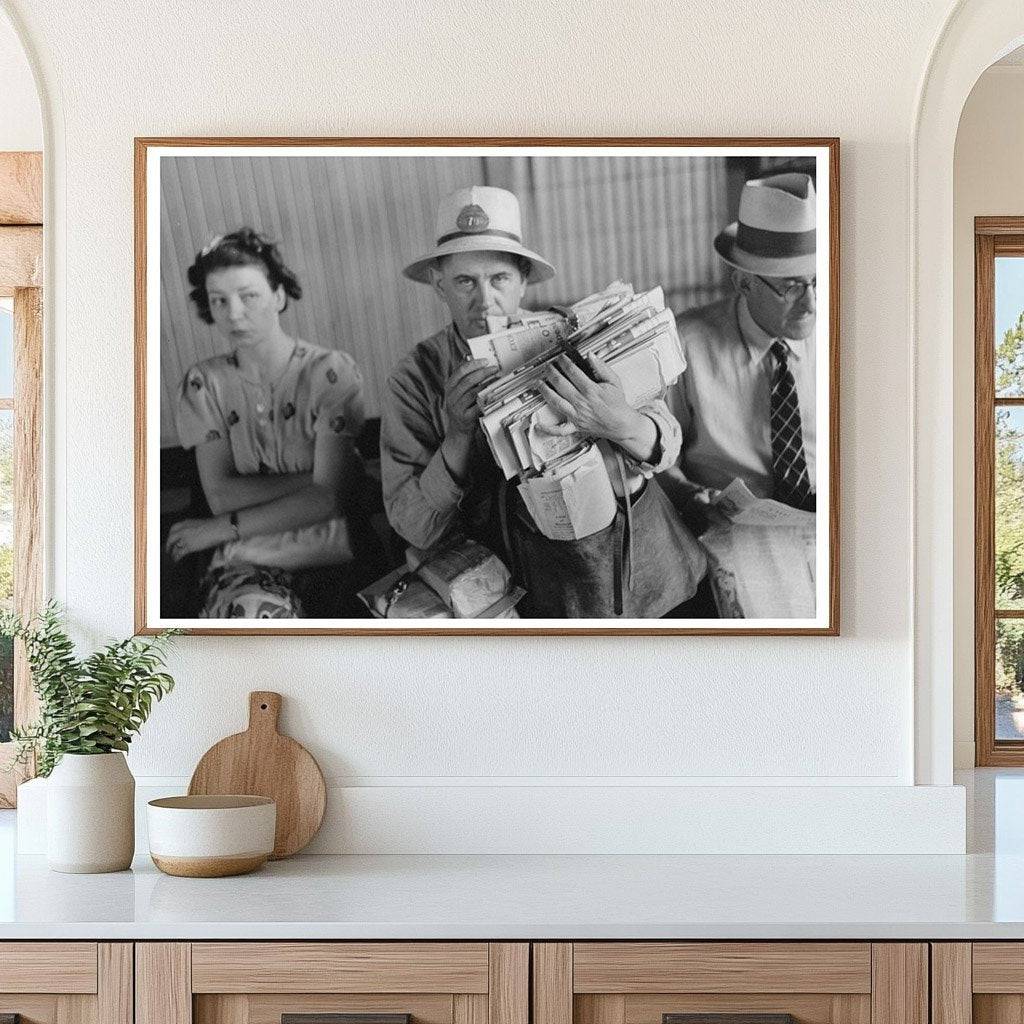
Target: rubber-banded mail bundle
<point x="460" y="579"/>
<point x="563" y="478"/>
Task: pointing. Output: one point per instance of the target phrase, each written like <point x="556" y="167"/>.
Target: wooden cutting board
<point x="262" y="762"/>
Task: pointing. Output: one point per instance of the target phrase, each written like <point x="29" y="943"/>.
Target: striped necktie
<point x="792" y="483"/>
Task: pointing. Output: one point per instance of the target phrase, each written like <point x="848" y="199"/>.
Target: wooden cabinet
<point x="981" y="982"/>
<point x="66" y="982"/>
<point x="494" y="983"/>
<point x="815" y="982"/>
<point x="259" y="982"/>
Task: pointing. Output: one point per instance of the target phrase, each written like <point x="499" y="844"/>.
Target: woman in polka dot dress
<point x="273" y="422"/>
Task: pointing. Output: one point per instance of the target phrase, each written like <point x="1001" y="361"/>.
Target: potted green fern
<point x="89" y="710"/>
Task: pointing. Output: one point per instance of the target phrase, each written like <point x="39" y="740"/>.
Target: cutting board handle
<point x="264" y="710"/>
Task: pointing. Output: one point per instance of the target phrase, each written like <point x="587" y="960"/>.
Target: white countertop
<point x="532" y="897"/>
<point x="979" y="896"/>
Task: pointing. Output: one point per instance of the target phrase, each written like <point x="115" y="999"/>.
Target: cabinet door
<point x="66" y="982"/>
<point x="981" y="982"/>
<point x="749" y="982"/>
<point x="313" y="982"/>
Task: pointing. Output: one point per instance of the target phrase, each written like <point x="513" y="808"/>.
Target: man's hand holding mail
<point x="596" y="405"/>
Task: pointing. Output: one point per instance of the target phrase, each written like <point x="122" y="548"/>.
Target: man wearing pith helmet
<point x="747" y="400"/>
<point x="439" y="477"/>
<point x="437" y="472"/>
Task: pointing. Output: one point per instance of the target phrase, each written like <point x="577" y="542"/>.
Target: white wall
<point x="21" y="124"/>
<point x="443" y="713"/>
<point x="988" y="181"/>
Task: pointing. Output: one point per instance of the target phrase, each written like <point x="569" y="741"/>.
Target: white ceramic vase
<point x="90" y="814"/>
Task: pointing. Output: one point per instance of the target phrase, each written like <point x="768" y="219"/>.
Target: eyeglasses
<point x="793" y="290"/>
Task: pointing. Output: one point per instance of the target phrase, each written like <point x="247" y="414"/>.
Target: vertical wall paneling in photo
<point x="578" y="216"/>
<point x="21" y="248"/>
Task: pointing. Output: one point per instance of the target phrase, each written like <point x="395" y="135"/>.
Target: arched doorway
<point x="976" y="33"/>
<point x="21" y="214"/>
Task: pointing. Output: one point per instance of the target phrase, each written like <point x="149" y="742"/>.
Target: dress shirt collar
<point x="757" y="340"/>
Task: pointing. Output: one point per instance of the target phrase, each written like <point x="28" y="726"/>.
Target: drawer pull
<point x="727" y="1018"/>
<point x="340" y="1018"/>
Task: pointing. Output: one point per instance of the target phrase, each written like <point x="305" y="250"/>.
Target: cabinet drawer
<point x="260" y="982"/>
<point x="998" y="967"/>
<point x="753" y="982"/>
<point x="66" y="982"/>
<point x="270" y="1009"/>
<point x="635" y="967"/>
<point x="339" y="967"/>
<point x="48" y="967"/>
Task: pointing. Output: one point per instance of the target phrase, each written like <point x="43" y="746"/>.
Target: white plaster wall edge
<point x="963" y="755"/>
<point x="927" y="645"/>
<point x="814" y="820"/>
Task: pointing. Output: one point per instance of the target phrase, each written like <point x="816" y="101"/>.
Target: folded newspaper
<point x="562" y="477"/>
<point x="762" y="565"/>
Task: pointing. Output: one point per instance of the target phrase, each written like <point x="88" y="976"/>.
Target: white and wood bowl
<point x="211" y="836"/>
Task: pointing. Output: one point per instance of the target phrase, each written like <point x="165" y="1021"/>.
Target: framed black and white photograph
<point x="538" y="386"/>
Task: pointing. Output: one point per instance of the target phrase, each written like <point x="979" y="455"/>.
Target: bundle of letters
<point x="563" y="478"/>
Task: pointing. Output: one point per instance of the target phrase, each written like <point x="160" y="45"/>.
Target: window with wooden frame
<point x="999" y="491"/>
<point x="21" y="350"/>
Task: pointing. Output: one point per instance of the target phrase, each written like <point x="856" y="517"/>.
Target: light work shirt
<point x="723" y="400"/>
<point x="423" y="501"/>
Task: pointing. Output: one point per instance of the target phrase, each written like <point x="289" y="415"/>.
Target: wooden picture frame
<point x="21" y="278"/>
<point x="221" y="203"/>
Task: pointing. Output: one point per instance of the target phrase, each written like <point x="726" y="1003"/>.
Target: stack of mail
<point x="572" y="497"/>
<point x="513" y="341"/>
<point x="561" y="474"/>
<point x="467" y="577"/>
<point x="463" y="580"/>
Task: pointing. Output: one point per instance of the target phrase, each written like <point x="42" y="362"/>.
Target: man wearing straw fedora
<point x="439" y="478"/>
<point x="746" y="402"/>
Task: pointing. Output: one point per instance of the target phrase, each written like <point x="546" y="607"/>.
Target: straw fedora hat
<point x="479" y="219"/>
<point x="775" y="235"/>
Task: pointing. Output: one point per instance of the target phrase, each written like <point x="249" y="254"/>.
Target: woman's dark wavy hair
<point x="242" y="248"/>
